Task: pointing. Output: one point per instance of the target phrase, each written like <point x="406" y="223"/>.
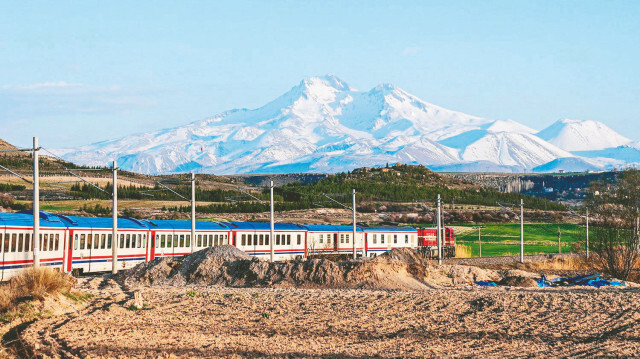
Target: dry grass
<point x="560" y="263"/>
<point x="463" y="251"/>
<point x="34" y="283"/>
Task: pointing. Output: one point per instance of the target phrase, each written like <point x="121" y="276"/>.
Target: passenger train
<point x="84" y="244"/>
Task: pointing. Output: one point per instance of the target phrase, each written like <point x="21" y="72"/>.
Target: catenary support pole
<point x="193" y="211"/>
<point x="353" y="207"/>
<point x="114" y="213"/>
<point x="438" y="234"/>
<point x="36" y="205"/>
<point x="479" y="241"/>
<point x="587" y="228"/>
<point x="559" y="238"/>
<point x="271" y="223"/>
<point x="521" y="230"/>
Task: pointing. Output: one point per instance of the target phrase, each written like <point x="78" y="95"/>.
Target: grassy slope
<point x="504" y="239"/>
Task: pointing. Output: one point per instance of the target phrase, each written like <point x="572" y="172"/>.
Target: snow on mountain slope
<point x="506" y="143"/>
<point x="325" y="125"/>
<point x="568" y="164"/>
<point x="512" y="149"/>
<point x="576" y="135"/>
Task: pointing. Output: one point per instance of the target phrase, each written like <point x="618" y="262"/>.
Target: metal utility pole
<point x="353" y="206"/>
<point x="271" y="223"/>
<point x="193" y="211"/>
<point x="439" y="234"/>
<point x="521" y="230"/>
<point x="587" y="228"/>
<point x="559" y="237"/>
<point x="36" y="205"/>
<point x="114" y="235"/>
<point x="479" y="242"/>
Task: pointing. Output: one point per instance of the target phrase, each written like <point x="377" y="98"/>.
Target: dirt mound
<point x="228" y="266"/>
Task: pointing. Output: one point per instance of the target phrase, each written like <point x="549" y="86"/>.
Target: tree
<point x="616" y="212"/>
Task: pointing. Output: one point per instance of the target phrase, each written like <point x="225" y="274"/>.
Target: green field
<point x="504" y="239"/>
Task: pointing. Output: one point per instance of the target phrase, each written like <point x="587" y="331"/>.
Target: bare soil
<point x="397" y="305"/>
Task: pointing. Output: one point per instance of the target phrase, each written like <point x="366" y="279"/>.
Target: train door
<point x="366" y="243"/>
<point x="335" y="242"/>
<point x="69" y="251"/>
<point x="151" y="246"/>
<point x="3" y="235"/>
<point x="90" y="247"/>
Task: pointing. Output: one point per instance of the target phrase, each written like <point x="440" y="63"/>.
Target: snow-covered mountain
<point x="325" y="125"/>
<point x="574" y="135"/>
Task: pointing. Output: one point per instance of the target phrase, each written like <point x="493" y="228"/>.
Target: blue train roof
<point x="389" y="229"/>
<point x="25" y="219"/>
<point x="184" y="225"/>
<point x="264" y="226"/>
<point x="331" y="228"/>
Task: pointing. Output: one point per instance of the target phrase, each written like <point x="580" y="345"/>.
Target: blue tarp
<point x="590" y="280"/>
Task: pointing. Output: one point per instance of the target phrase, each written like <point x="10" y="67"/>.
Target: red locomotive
<point x="427" y="242"/>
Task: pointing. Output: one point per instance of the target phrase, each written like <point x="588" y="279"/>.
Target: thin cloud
<point x="411" y="50"/>
<point x="55" y="98"/>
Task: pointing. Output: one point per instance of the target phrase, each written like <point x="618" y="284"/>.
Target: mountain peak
<point x="327" y="80"/>
<point x="582" y="135"/>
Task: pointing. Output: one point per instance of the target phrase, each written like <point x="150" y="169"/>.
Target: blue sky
<point x="78" y="72"/>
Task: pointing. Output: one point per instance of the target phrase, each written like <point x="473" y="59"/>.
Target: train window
<point x="188" y="241"/>
<point x="127" y="243"/>
<point x="266" y="239"/>
<point x="75" y="242"/>
<point x="375" y="240"/>
<point x="103" y="242"/>
<point x="277" y="243"/>
<point x="320" y="238"/>
<point x="214" y="242"/>
<point x="122" y="241"/>
<point x="346" y="238"/>
<point x="55" y="242"/>
<point x="244" y="239"/>
<point x="342" y="238"/>
<point x="181" y="241"/>
<point x="395" y="238"/>
<point x="144" y="241"/>
<point x="261" y="239"/>
<point x="163" y="241"/>
<point x="14" y="239"/>
<point x="27" y="241"/>
<point x="20" y="242"/>
<point x="299" y="239"/>
<point x="288" y="239"/>
<point x="5" y="243"/>
<point x="382" y="239"/>
<point x="199" y="240"/>
<point x="97" y="243"/>
<point x="45" y="242"/>
<point x="89" y="240"/>
<point x="2" y="241"/>
<point x="176" y="240"/>
<point x="135" y="241"/>
<point x="83" y="241"/>
<point x="406" y="239"/>
<point x="109" y="241"/>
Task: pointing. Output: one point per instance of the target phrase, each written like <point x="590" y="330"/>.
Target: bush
<point x="34" y="283"/>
